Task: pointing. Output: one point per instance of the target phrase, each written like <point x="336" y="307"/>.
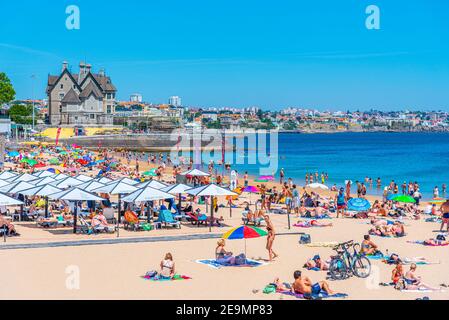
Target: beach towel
<point x="322" y="244"/>
<point x="428" y="245"/>
<point x="214" y="264"/>
<point x="405" y="261"/>
<point x="321" y="295"/>
<point x="176" y="277"/>
<point x="307" y="226"/>
<point x="422" y="291"/>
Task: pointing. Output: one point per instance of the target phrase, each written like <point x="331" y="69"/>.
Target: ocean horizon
<point x="408" y="156"/>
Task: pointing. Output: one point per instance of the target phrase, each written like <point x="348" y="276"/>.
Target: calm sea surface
<point x="421" y="157"/>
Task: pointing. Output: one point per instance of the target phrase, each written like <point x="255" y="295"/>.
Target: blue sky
<point x="272" y="54"/>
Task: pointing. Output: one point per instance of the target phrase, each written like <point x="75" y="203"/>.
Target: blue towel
<point x="214" y="264"/>
<point x="321" y="295"/>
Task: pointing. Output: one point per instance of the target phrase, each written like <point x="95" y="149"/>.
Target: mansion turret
<point x="83" y="98"/>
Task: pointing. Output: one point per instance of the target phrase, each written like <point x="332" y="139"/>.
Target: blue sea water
<point x="421" y="157"/>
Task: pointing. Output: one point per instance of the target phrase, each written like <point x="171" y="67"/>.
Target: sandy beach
<point x="114" y="270"/>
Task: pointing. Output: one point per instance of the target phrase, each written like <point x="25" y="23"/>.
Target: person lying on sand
<point x="395" y="230"/>
<point x="312" y="223"/>
<point x="304" y="285"/>
<point x="316" y="262"/>
<point x="439" y="241"/>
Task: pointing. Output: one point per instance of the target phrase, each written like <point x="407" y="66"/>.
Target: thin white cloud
<point x="28" y="50"/>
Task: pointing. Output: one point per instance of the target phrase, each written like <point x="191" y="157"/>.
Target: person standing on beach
<point x="270" y="238"/>
<point x="282" y="175"/>
<point x="348" y="190"/>
<point x="445" y="211"/>
<point x="340" y="200"/>
<point x="436" y="193"/>
<point x="245" y="178"/>
<point x="359" y="189"/>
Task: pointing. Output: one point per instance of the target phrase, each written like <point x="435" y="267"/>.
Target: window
<point x="109" y="109"/>
<point x="62" y="86"/>
<point x="92" y="116"/>
<point x="61" y="95"/>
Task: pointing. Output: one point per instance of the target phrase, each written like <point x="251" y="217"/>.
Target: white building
<point x="136" y="97"/>
<point x="175" y="101"/>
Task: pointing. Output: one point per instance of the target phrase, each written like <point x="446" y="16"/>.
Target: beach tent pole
<point x="46" y="207"/>
<point x="118" y="215"/>
<point x="288" y="217"/>
<point x="4" y="233"/>
<point x="75" y="217"/>
<point x="148" y="212"/>
<point x="211" y="213"/>
<point x="180" y="202"/>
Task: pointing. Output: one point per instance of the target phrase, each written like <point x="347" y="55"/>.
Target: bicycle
<point x="345" y="264"/>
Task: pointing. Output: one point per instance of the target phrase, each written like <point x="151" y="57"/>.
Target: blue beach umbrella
<point x="359" y="204"/>
<point x="13" y="154"/>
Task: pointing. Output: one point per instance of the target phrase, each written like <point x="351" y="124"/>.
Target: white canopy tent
<point x="7" y="175"/>
<point x="211" y="190"/>
<point x="67" y="183"/>
<point x="44" y="174"/>
<point x="152" y="184"/>
<point x="146" y="195"/>
<point x="75" y="194"/>
<point x="195" y="173"/>
<point x="91" y="185"/>
<point x="83" y="178"/>
<point x="42" y="191"/>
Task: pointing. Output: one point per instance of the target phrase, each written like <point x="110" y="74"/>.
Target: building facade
<point x="85" y="98"/>
<point x="175" y="101"/>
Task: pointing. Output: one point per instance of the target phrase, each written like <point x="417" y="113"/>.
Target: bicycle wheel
<point x="361" y="267"/>
<point x="338" y="269"/>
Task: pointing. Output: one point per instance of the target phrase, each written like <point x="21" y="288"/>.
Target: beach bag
<point x="147" y="227"/>
<point x="151" y="274"/>
<point x="240" y="259"/>
<point x="305" y="239"/>
<point x="269" y="289"/>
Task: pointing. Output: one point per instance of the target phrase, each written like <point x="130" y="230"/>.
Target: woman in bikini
<point x="222" y="256"/>
<point x="270" y="238"/>
<point x="167" y="267"/>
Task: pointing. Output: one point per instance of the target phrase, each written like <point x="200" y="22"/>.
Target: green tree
<point x="7" y="92"/>
<point x="21" y="114"/>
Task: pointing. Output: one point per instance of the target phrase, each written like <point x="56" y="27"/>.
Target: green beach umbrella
<point x="151" y="173"/>
<point x="54" y="161"/>
<point x="404" y="199"/>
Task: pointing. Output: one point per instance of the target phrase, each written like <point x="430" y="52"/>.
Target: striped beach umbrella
<point x="244" y="232"/>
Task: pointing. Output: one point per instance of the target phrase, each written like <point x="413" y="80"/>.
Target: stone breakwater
<point x="146" y="142"/>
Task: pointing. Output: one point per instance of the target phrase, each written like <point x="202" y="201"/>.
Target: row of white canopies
<point x="84" y="188"/>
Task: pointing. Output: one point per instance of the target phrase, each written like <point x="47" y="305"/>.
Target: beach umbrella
<point x="146" y="195"/>
<point x="43" y="181"/>
<point x="91" y="185"/>
<point x="266" y="178"/>
<point x="67" y="183"/>
<point x="53" y="171"/>
<point x="211" y="190"/>
<point x="40" y="165"/>
<point x="152" y="184"/>
<point x="317" y="186"/>
<point x="75" y="194"/>
<point x="244" y="232"/>
<point x="83" y="178"/>
<point x="151" y="173"/>
<point x="16" y="187"/>
<point x="42" y="191"/>
<point x="195" y="173"/>
<point x="13" y="154"/>
<point x="54" y="161"/>
<point x="177" y="189"/>
<point x="404" y="199"/>
<point x="26" y="177"/>
<point x="60" y="176"/>
<point x="7" y="175"/>
<point x="359" y="204"/>
<point x="44" y="174"/>
<point x="128" y="181"/>
<point x="250" y="190"/>
<point x="8" y="201"/>
<point x="117" y="188"/>
<point x="104" y="180"/>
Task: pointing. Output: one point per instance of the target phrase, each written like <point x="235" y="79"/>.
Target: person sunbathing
<point x="305" y="286"/>
<point x="222" y="256"/>
<point x="439" y="241"/>
<point x="312" y="223"/>
<point x="414" y="282"/>
<point x="167" y="267"/>
<point x="100" y="222"/>
<point x="5" y="224"/>
<point x="368" y="246"/>
<point x="316" y="262"/>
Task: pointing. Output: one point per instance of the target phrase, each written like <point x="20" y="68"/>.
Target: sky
<point x="272" y="54"/>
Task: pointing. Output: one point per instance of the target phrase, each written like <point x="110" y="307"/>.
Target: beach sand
<point x="114" y="271"/>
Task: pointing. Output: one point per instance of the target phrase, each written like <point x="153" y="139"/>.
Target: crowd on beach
<point x="307" y="204"/>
